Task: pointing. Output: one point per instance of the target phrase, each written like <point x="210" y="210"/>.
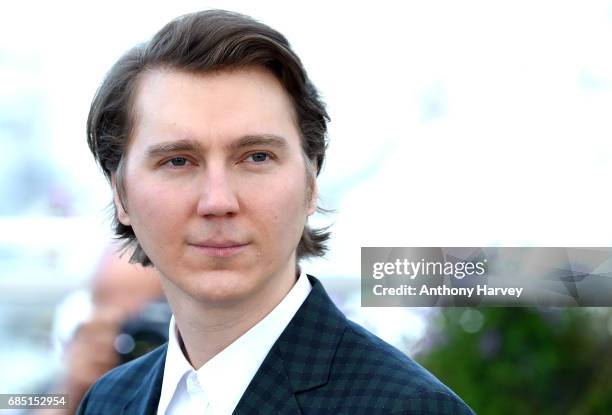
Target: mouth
<point x="222" y="249"/>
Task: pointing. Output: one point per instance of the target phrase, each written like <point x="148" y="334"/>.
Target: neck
<point x="206" y="328"/>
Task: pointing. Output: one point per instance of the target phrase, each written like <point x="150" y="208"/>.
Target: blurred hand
<point x="91" y="353"/>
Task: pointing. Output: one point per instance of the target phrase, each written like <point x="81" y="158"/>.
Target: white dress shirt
<point x="216" y="388"/>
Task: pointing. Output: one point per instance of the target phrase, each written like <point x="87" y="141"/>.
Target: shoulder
<point x="113" y="390"/>
<point x="396" y="381"/>
<point x="363" y="373"/>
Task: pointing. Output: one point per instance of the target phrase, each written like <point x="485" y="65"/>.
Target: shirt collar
<point x="226" y="376"/>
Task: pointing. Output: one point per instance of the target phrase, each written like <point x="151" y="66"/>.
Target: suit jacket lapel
<point x="299" y="360"/>
<point x="146" y="398"/>
<point x="270" y="390"/>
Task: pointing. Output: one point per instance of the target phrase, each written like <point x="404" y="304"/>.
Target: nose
<point x="218" y="198"/>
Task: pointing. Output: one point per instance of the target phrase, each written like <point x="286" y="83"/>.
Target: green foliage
<point x="525" y="360"/>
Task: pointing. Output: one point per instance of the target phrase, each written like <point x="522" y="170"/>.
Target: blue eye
<point x="178" y="161"/>
<point x="259" y="157"/>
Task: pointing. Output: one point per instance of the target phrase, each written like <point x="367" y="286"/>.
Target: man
<point x="212" y="136"/>
<point x="119" y="291"/>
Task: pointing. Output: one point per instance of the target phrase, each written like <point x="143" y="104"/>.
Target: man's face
<point x="216" y="188"/>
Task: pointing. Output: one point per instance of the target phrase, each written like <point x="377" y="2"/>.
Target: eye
<point x="177" y="161"/>
<point x="258" y="157"/>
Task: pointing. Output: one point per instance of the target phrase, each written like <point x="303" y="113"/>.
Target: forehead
<point x="220" y="105"/>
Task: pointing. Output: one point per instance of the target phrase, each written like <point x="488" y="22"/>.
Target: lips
<point x="219" y="248"/>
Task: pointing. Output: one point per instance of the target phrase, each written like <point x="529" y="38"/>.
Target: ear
<point x="122" y="214"/>
<point x="314" y="193"/>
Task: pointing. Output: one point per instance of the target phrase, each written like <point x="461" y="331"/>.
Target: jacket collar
<point x="146" y="398"/>
<point x="308" y="344"/>
<point x="300" y="359"/>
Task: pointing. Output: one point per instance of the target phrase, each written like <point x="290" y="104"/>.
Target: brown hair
<point x="202" y="42"/>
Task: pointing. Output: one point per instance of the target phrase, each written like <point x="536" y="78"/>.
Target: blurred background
<point x="472" y="123"/>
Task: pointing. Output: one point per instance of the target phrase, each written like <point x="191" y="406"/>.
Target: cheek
<point x="280" y="210"/>
<point x="153" y="210"/>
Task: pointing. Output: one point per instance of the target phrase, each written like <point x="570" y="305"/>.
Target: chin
<point x="220" y="286"/>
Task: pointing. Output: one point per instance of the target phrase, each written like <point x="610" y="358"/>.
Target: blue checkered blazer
<point x="321" y="364"/>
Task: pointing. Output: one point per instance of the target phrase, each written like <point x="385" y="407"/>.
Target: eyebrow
<point x="168" y="147"/>
<point x="190" y="145"/>
<point x="265" y="140"/>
